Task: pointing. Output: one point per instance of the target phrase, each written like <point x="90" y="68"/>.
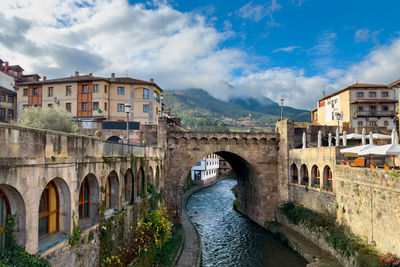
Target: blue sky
<point x="291" y="49"/>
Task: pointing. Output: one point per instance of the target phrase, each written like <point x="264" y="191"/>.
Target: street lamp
<point x="282" y="109"/>
<point x="127" y="111"/>
<point x="250" y="121"/>
<point x="337" y="114"/>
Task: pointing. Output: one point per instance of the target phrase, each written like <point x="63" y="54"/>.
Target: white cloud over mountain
<point x="180" y="50"/>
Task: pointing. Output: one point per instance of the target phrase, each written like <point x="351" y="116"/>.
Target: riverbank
<point x="191" y="251"/>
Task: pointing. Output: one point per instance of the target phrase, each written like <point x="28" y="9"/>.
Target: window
<point x="4" y="212"/>
<point x="360" y="123"/>
<point x="386" y="123"/>
<point x="385" y="108"/>
<point x="85" y="89"/>
<point x="120" y="90"/>
<point x="156" y="97"/>
<point x="25" y="106"/>
<point x="372" y="94"/>
<point x="85" y="106"/>
<point x="95" y="105"/>
<point x="2" y="112"/>
<point x="2" y="98"/>
<point x="385" y="94"/>
<point x="10" y="99"/>
<point x="49" y="105"/>
<point x="25" y="92"/>
<point x="84" y="202"/>
<point x="35" y="91"/>
<point x="372" y="123"/>
<point x="107" y="194"/>
<point x="360" y="94"/>
<point x="359" y="108"/>
<point x="145" y="93"/>
<point x="105" y="89"/>
<point x="48" y="211"/>
<point x="146" y="108"/>
<point x="68" y="90"/>
<point x="120" y="107"/>
<point x="68" y="107"/>
<point x="95" y="88"/>
<point x="50" y="91"/>
<point x="11" y="113"/>
<point x="105" y="106"/>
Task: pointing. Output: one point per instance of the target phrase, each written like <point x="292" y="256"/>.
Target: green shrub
<point x="235" y="204"/>
<point x="17" y="256"/>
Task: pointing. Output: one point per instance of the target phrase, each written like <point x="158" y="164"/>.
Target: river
<point x="231" y="239"/>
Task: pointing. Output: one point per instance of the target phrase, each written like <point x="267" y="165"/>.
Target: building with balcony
<point x="206" y="170"/>
<point x="359" y="105"/>
<point x="92" y="100"/>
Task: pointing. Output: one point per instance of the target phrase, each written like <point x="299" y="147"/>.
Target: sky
<point x="290" y="49"/>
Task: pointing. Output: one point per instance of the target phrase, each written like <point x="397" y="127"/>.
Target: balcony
<point x="389" y="113"/>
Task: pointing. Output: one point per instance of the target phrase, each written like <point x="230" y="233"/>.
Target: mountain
<point x="199" y="110"/>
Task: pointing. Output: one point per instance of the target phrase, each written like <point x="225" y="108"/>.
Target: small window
<point x="85" y="89"/>
<point x="25" y="92"/>
<point x="95" y="88"/>
<point x="120" y="107"/>
<point x="85" y="106"/>
<point x="95" y="105"/>
<point x="11" y="113"/>
<point x="10" y="99"/>
<point x="360" y="108"/>
<point x="2" y="98"/>
<point x="50" y="91"/>
<point x="385" y="108"/>
<point x="372" y="123"/>
<point x="2" y="112"/>
<point x="156" y="97"/>
<point x="360" y="94"/>
<point x="385" y="94"/>
<point x="121" y="90"/>
<point x="35" y="91"/>
<point x="50" y="105"/>
<point x="385" y="123"/>
<point x="68" y="107"/>
<point x="360" y="123"/>
<point x="105" y="106"/>
<point x="68" y="90"/>
<point x="146" y="108"/>
<point x="372" y="94"/>
<point x="145" y="93"/>
<point x="105" y="89"/>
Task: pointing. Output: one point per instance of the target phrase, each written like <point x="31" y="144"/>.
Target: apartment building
<point x="206" y="170"/>
<point x="359" y="105"/>
<point x="92" y="100"/>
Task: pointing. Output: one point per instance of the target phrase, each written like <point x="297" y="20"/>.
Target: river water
<point x="231" y="239"/>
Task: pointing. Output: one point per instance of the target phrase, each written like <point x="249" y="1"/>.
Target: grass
<point x="168" y="253"/>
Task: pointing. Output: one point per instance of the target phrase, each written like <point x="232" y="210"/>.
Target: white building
<point x="206" y="170"/>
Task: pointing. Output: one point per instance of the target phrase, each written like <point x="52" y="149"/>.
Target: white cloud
<point x="366" y="35"/>
<point x="286" y="49"/>
<point x="258" y="12"/>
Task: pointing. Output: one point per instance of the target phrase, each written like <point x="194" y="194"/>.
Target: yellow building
<point x="359" y="105"/>
<point x="91" y="99"/>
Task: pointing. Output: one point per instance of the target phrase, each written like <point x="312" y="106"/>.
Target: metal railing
<point x="120" y="149"/>
<point x="375" y="113"/>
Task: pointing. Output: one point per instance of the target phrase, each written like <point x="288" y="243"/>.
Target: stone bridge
<point x="253" y="157"/>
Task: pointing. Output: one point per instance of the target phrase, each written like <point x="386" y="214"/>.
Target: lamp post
<point x="250" y="121"/>
<point x="127" y="111"/>
<point x="282" y="109"/>
<point x="338" y="120"/>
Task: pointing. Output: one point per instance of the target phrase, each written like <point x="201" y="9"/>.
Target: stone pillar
<point x="319" y="138"/>
<point x="330" y="139"/>
<point x="304" y="140"/>
<point x="337" y="143"/>
<point x="344" y="138"/>
<point x="371" y="138"/>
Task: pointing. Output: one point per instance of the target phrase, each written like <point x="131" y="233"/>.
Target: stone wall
<point x="369" y="202"/>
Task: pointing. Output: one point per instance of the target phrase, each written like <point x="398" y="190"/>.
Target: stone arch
<point x="61" y="201"/>
<point x="263" y="141"/>
<point x="193" y="140"/>
<point x="182" y="140"/>
<point x="111" y="191"/>
<point x="223" y="141"/>
<point x="150" y="178"/>
<point x="141" y="183"/>
<point x="294" y="174"/>
<point x="16" y="207"/>
<point x="91" y="203"/>
<point x="327" y="178"/>
<point x="114" y="139"/>
<point x="315" y="177"/>
<point x="213" y="140"/>
<point x="243" y="141"/>
<point x="128" y="188"/>
<point x="253" y="141"/>
<point x="304" y="175"/>
<point x="203" y="141"/>
<point x="233" y="141"/>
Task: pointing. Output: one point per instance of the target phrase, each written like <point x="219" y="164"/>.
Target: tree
<point x="55" y="119"/>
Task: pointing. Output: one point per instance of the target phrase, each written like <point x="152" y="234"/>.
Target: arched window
<point x="327" y="182"/>
<point x="107" y="194"/>
<point x="294" y="174"/>
<point x="48" y="211"/>
<point x="304" y="175"/>
<point x="316" y="177"/>
<point x="4" y="212"/>
<point x="84" y="200"/>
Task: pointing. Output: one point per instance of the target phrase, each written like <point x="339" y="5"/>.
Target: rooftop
<point x="355" y="86"/>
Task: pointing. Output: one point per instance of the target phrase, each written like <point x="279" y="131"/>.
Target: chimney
<point x="6" y="67"/>
<point x="76" y="73"/>
<point x="90" y="74"/>
<point x="44" y="78"/>
<point x="151" y="80"/>
<point x="323" y="94"/>
<point x="112" y="76"/>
